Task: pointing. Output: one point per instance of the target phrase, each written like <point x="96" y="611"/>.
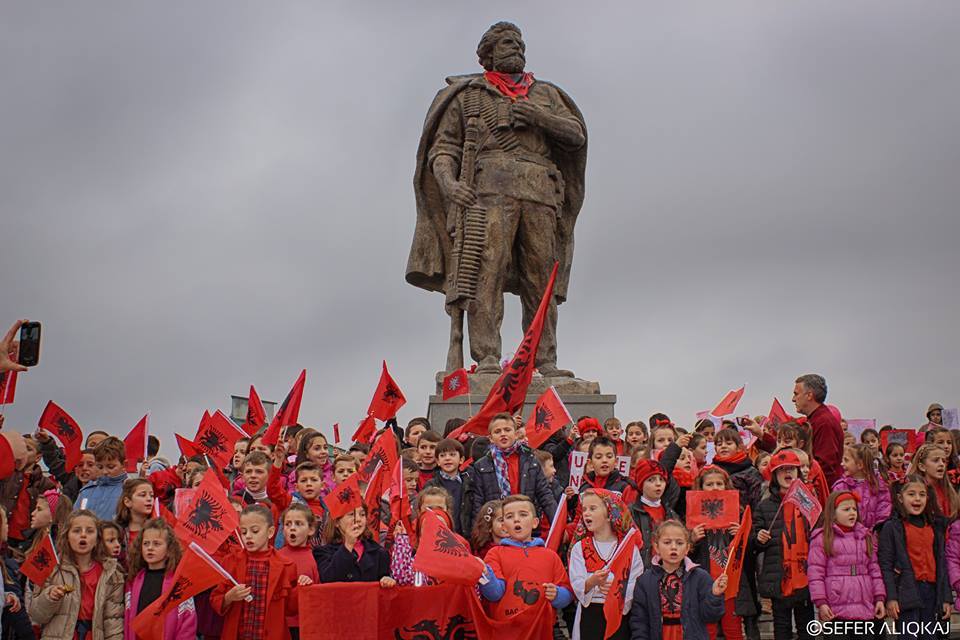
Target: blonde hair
<point x="919" y="457"/>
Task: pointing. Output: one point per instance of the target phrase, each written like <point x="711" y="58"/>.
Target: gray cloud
<point x="201" y="197"/>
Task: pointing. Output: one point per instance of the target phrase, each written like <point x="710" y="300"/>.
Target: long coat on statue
<point x="432" y="246"/>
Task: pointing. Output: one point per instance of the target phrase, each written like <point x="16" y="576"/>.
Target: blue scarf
<point x="500" y="466"/>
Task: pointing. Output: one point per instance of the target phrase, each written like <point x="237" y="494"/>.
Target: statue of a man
<point x="499" y="184"/>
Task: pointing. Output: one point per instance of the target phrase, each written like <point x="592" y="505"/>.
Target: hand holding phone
<point x="9" y="349"/>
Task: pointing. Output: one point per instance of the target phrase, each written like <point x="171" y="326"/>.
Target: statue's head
<point x="501" y="49"/>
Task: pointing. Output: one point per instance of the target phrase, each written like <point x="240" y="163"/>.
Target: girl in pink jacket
<point x="845" y="579"/>
<point x="153" y="561"/>
<point x="860" y="476"/>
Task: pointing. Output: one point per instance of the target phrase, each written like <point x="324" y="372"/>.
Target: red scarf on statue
<point x="505" y="83"/>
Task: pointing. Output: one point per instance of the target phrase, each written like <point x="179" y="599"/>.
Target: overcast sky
<point x="201" y="196"/>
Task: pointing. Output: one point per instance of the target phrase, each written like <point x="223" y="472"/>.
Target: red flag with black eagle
<point x="256" y="415"/>
<point x="456" y="384"/>
<point x="217" y="437"/>
<point x="365" y="431"/>
<point x="549" y="416"/>
<point x="288" y="413"/>
<point x="8" y="387"/>
<point x="777" y="415"/>
<point x="383" y="453"/>
<point x="193" y="575"/>
<point x="187" y="447"/>
<point x="444" y="555"/>
<point x="135" y="444"/>
<point x="387" y="399"/>
<point x="400" y="510"/>
<point x="210" y="518"/>
<point x="345" y="497"/>
<point x="619" y="567"/>
<point x="61" y="426"/>
<point x="557" y="526"/>
<point x="729" y="402"/>
<point x="41" y="562"/>
<point x="510" y="390"/>
<point x="738" y="553"/>
<point x="336" y="433"/>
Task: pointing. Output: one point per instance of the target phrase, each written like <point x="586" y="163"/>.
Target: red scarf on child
<point x="505" y="83"/>
<point x="733" y="458"/>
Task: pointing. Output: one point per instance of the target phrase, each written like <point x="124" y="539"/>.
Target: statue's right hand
<point x="461" y="194"/>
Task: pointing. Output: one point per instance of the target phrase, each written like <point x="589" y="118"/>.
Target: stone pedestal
<point x="581" y="397"/>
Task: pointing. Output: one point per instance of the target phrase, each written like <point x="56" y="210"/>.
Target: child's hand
<point x="304" y="581"/>
<point x="597" y="578"/>
<point x="734" y="528"/>
<point x="947" y="610"/>
<point x="825" y="612"/>
<point x="279" y="454"/>
<point x="763" y="536"/>
<point x="878" y="611"/>
<point x="699" y="532"/>
<point x="720" y="585"/>
<point x="399" y="530"/>
<point x="569" y="492"/>
<point x="56" y="593"/>
<point x="684" y="440"/>
<point x="387" y="582"/>
<point x="12" y="602"/>
<point x="893" y="609"/>
<point x="550" y="591"/>
<point x="237" y="593"/>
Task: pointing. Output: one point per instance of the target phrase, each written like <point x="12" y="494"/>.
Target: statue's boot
<point x="551" y="371"/>
<point x="489" y="364"/>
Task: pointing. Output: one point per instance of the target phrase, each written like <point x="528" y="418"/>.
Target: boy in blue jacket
<point x="101" y="495"/>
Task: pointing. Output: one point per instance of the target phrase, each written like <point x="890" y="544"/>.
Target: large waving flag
<point x="387" y="399"/>
<point x="256" y="415"/>
<point x="217" y="436"/>
<point x="211" y="518"/>
<point x="61" y="426"/>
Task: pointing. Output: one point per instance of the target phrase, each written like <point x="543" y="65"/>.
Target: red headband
<point x="845" y="495"/>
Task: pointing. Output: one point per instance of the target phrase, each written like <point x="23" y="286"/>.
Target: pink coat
<point x="179" y="624"/>
<point x="875" y="506"/>
<point x="849" y="580"/>
<point x="953" y="558"/>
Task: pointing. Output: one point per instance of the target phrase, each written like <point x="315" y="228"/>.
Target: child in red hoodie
<point x="267" y="578"/>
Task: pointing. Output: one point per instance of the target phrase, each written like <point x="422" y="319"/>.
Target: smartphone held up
<point x="29" y="354"/>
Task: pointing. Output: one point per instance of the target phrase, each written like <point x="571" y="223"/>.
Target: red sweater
<point x="524" y="570"/>
<point x="281" y="596"/>
<point x="827" y="442"/>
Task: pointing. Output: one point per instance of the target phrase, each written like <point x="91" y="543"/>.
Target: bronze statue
<point x="499" y="184"/>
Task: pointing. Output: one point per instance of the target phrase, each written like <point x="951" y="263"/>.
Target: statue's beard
<point x="514" y="63"/>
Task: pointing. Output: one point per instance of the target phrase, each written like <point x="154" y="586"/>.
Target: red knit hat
<point x="646" y="469"/>
<point x="784" y="458"/>
<point x="589" y="424"/>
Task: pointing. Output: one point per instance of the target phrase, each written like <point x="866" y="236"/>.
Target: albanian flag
<point x="41" y="562"/>
<point x="217" y="436"/>
<point x="400" y="510"/>
<point x="289" y="411"/>
<point x="456" y="384"/>
<point x="549" y="416"/>
<point x="187" y="447"/>
<point x="510" y="390"/>
<point x="737" y="554"/>
<point x="365" y="432"/>
<point x="800" y="495"/>
<point x="61" y="426"/>
<point x="387" y="399"/>
<point x="256" y="416"/>
<point x="557" y="526"/>
<point x="135" y="443"/>
<point x="193" y="575"/>
<point x="777" y="415"/>
<point x="729" y="403"/>
<point x="210" y="518"/>
<point x="8" y="386"/>
<point x="620" y="570"/>
<point x="444" y="555"/>
<point x="383" y="454"/>
<point x="345" y="497"/>
<point x="336" y="433"/>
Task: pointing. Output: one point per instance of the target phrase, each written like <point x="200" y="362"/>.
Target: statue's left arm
<point x="556" y="121"/>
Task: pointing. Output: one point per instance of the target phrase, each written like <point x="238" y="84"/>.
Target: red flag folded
<point x="729" y="403"/>
<point x="8" y="386"/>
<point x="193" y="575"/>
<point x="41" y="562"/>
<point x="549" y="416"/>
<point x="256" y="416"/>
<point x="365" y="432"/>
<point x="400" y="510"/>
<point x="444" y="555"/>
<point x="619" y="567"/>
<point x="557" y="526"/>
<point x="387" y="399"/>
<point x="211" y="517"/>
<point x="803" y="499"/>
<point x="289" y="411"/>
<point x="345" y="497"/>
<point x="737" y="554"/>
<point x="336" y="433"/>
<point x="187" y="447"/>
<point x="217" y="437"/>
<point x="510" y="390"/>
<point x="777" y="415"/>
<point x="456" y="384"/>
<point x="61" y="426"/>
<point x="135" y="443"/>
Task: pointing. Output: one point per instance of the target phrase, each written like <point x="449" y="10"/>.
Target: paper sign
<point x="623" y="465"/>
<point x="578" y="462"/>
<point x="711" y="451"/>
<point x="182" y="499"/>
<point x="951" y="418"/>
<point x="906" y="437"/>
<point x="713" y="509"/>
<point x="857" y="426"/>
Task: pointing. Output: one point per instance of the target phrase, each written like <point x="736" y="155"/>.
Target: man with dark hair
<point x="809" y="394"/>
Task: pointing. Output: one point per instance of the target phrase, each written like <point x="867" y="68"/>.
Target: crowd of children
<point x="887" y="545"/>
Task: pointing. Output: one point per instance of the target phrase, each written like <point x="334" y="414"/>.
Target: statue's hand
<point x="461" y="194"/>
<point x="527" y="114"/>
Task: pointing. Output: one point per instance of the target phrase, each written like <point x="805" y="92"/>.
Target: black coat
<point x="462" y="522"/>
<point x="532" y="483"/>
<point x="771" y="572"/>
<point x="336" y="564"/>
<point x="898" y="576"/>
<point x="746" y="479"/>
<point x="698" y="607"/>
<point x="559" y="447"/>
<point x="646" y="527"/>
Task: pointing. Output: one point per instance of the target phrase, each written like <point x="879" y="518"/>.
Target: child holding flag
<point x="675" y="599"/>
<point x="604" y="523"/>
<point x="843" y="553"/>
<point x="154" y="556"/>
<point x="83" y="598"/>
<point x="781" y="533"/>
